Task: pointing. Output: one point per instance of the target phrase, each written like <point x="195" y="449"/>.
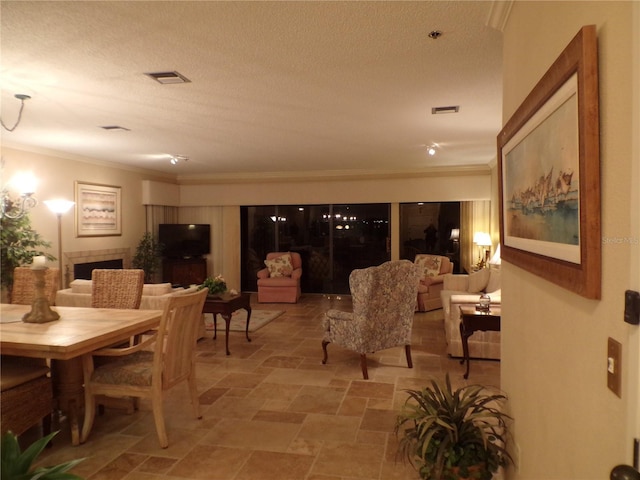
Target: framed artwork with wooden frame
<point x="98" y="210"/>
<point x="549" y="174"/>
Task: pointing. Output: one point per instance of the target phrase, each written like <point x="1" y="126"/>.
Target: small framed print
<point x="98" y="210"/>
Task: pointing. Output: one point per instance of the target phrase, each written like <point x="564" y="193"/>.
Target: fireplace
<point x="83" y="270"/>
<point x="80" y="264"/>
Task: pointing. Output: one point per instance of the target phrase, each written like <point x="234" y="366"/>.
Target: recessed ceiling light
<point x="431" y="151"/>
<point x="449" y="109"/>
<point x="168" y="77"/>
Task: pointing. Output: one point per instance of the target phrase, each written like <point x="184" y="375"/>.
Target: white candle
<point x="39" y="261"/>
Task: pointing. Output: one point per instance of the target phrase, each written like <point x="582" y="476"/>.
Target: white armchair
<point x="465" y="290"/>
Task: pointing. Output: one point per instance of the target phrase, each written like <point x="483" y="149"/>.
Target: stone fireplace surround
<point x="90" y="256"/>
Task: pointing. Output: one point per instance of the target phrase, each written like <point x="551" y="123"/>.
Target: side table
<point x="473" y="320"/>
<point x="225" y="304"/>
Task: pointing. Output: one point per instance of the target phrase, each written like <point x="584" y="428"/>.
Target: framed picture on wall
<point x="549" y="173"/>
<point x="98" y="210"/>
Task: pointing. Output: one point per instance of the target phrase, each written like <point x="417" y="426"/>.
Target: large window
<point x="430" y="227"/>
<point x="331" y="239"/>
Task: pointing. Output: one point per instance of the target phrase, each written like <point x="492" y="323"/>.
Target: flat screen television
<point x="184" y="240"/>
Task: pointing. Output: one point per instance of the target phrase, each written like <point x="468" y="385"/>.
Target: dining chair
<point x="383" y="299"/>
<point x="116" y="288"/>
<point x="26" y="396"/>
<point x="24" y="288"/>
<point x="148" y="369"/>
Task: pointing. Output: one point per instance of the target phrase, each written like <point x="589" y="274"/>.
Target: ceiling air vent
<point x="440" y="110"/>
<point x="115" y="127"/>
<point x="168" y="77"/>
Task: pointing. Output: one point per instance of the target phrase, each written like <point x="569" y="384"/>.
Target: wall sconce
<point x="455" y="235"/>
<point x="25" y="184"/>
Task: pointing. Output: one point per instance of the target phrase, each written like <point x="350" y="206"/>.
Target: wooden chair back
<point x="174" y="354"/>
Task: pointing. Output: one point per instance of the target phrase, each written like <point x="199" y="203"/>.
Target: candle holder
<point x="40" y="310"/>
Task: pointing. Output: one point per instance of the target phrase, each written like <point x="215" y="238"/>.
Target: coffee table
<point x="225" y="304"/>
<point x="472" y="321"/>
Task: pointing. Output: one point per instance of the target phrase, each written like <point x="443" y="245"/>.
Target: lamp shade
<point x="482" y="239"/>
<point x="59" y="206"/>
<point x="455" y="234"/>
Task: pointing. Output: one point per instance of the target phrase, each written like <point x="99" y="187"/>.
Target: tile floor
<point x="272" y="411"/>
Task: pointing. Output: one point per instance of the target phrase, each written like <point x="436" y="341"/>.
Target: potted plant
<point x="18" y="242"/>
<point x="147" y="256"/>
<point x="454" y="434"/>
<point x="215" y="285"/>
<point x="16" y="464"/>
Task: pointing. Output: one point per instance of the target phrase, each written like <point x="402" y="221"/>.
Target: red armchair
<point x="434" y="268"/>
<point x="279" y="282"/>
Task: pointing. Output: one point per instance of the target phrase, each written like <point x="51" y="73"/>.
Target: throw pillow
<point x="154" y="289"/>
<point x="494" y="281"/>
<point x="80" y="286"/>
<point x="430" y="265"/>
<point x="478" y="280"/>
<point x="280" y="266"/>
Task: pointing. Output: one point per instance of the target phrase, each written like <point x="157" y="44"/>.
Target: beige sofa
<point x="154" y="296"/>
<point x="459" y="290"/>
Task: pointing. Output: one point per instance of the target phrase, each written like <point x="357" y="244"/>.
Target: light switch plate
<point x="614" y="366"/>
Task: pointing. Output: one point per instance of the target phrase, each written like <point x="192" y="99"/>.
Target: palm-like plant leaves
<point x="442" y="428"/>
<point x="16" y="465"/>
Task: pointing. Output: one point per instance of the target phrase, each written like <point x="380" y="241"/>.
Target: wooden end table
<point x="225" y="304"/>
<point x="472" y="320"/>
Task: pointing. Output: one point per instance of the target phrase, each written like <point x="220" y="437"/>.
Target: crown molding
<point x="330" y="175"/>
<point x="499" y="14"/>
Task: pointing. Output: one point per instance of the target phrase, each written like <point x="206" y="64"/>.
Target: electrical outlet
<point x="614" y="366"/>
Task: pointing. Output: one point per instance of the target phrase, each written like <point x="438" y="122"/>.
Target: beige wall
<point x="568" y="425"/>
<point x="56" y="177"/>
<point x="217" y="204"/>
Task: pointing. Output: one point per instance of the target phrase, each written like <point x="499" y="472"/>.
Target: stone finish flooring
<point x="272" y="411"/>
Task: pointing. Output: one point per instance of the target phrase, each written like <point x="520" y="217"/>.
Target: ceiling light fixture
<point x="431" y="151"/>
<point x="22" y="97"/>
<point x="168" y="78"/>
<point x="175" y="159"/>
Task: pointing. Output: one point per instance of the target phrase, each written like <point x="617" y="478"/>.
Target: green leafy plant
<point x="147" y="256"/>
<point x="19" y="243"/>
<point x="17" y="465"/>
<point x="215" y="285"/>
<point x="448" y="435"/>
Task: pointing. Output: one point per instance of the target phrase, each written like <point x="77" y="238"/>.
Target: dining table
<point x="78" y="331"/>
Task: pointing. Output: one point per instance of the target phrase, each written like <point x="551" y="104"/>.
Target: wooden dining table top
<point x="79" y="330"/>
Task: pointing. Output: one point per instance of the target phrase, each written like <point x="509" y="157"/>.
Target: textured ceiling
<point x="298" y="87"/>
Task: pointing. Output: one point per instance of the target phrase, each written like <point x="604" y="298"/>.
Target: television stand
<point x="184" y="271"/>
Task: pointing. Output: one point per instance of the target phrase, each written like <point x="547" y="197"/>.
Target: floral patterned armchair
<point x="383" y="300"/>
